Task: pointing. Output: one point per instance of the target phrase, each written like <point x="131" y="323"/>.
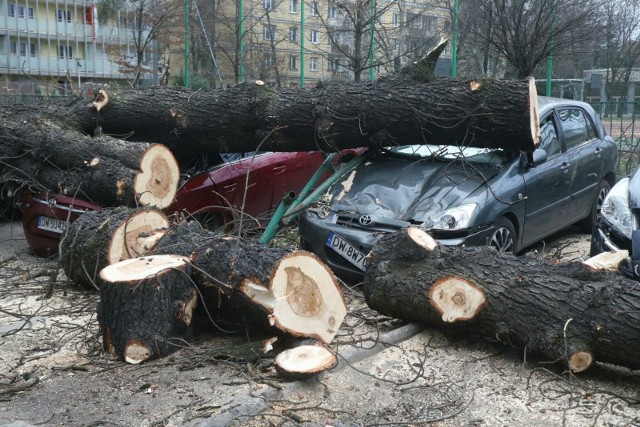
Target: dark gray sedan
<point x="466" y="195"/>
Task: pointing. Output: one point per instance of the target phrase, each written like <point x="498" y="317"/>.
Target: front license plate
<point x="347" y="251"/>
<point x="51" y="224"/>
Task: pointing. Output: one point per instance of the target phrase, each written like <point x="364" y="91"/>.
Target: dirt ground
<point x="52" y="371"/>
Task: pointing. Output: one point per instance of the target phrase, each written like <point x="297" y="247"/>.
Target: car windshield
<point x="490" y="156"/>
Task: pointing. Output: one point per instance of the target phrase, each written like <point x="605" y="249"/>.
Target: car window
<point x="576" y="127"/>
<point x="549" y="136"/>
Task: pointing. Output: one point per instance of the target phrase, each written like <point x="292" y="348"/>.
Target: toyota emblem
<point x="365" y="219"/>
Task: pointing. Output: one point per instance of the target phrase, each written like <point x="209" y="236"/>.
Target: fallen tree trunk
<point x="101" y="238"/>
<point x="272" y="287"/>
<point x="567" y="312"/>
<point x="146" y="307"/>
<point x="263" y="286"/>
<point x="254" y="116"/>
<point x="45" y="156"/>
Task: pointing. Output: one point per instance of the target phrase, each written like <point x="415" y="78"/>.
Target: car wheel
<point x="592" y="219"/>
<point x="211" y="221"/>
<point x="504" y="238"/>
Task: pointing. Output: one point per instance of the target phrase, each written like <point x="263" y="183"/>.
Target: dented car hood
<point x="407" y="189"/>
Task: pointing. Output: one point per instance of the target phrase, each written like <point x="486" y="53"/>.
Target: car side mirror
<point x="531" y="160"/>
<point x="539" y="157"/>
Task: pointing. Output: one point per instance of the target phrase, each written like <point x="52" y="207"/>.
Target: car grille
<point x="356" y="221"/>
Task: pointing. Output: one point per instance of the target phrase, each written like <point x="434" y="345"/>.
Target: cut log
<point x="98" y="239"/>
<point x="146" y="307"/>
<point x="45" y="155"/>
<point x="304" y="361"/>
<point x="254" y="116"/>
<point x="271" y="287"/>
<point x="566" y="312"/>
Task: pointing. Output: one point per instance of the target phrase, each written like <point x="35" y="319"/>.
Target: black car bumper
<point x="314" y="235"/>
<point x="606" y="238"/>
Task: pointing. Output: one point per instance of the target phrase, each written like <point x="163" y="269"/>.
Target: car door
<point x="585" y="155"/>
<point x="547" y="185"/>
<point x="244" y="183"/>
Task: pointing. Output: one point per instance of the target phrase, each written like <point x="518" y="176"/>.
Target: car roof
<point x="546" y="103"/>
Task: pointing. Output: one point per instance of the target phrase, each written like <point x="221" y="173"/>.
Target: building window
<point x="293" y="34"/>
<point x="268" y="32"/>
<point x="395" y="20"/>
<point x="336" y="37"/>
<point x="11" y="9"/>
<point x="20" y="11"/>
<point x="32" y="50"/>
<point x="267" y="4"/>
<point x="333" y="10"/>
<point x="313" y="64"/>
<point x="23" y="49"/>
<point x="63" y="15"/>
<point x="65" y="52"/>
<point x="269" y="60"/>
<point x="315" y="9"/>
<point x="293" y="62"/>
<point x="30" y="12"/>
<point x="13" y="47"/>
<point x="315" y="36"/>
<point x="293" y="6"/>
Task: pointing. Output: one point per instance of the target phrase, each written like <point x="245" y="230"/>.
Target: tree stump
<point x="100" y="238"/>
<point x="304" y="361"/>
<point x="567" y="312"/>
<point x="146" y="306"/>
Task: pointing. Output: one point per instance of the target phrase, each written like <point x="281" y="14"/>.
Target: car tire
<point x="504" y="238"/>
<point x="587" y="224"/>
<point x="211" y="221"/>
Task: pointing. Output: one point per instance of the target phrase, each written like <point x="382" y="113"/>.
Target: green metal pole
<point x="372" y="41"/>
<point x="240" y="57"/>
<point x="550" y="57"/>
<point x="301" y="43"/>
<point x="454" y="43"/>
<point x="187" y="35"/>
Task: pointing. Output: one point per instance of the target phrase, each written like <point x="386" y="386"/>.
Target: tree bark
<point x="567" y="312"/>
<point x="272" y="287"/>
<point x="254" y="116"/>
<point x="42" y="150"/>
<point x="146" y="307"/>
<point x="101" y="238"/>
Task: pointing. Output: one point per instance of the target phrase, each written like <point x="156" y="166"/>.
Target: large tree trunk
<point x="272" y="287"/>
<point x="255" y="116"/>
<point x="101" y="238"/>
<point x="48" y="155"/>
<point x="567" y="312"/>
<point x="146" y="307"/>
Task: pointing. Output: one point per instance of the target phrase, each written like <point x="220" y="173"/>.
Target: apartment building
<point x="297" y="40"/>
<point x="52" y="46"/>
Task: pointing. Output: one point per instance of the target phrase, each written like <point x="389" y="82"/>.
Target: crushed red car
<point x="213" y="192"/>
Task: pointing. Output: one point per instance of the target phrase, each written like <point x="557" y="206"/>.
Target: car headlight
<point x="452" y="219"/>
<point x="615" y="208"/>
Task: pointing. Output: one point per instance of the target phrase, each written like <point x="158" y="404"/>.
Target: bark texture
<point x="566" y="312"/>
<point x="100" y="238"/>
<point x="254" y="116"/>
<point x="146" y="307"/>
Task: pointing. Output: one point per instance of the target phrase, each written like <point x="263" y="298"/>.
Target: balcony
<point x="52" y="66"/>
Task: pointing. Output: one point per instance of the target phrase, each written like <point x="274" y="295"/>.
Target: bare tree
<point x="621" y="49"/>
<point x="349" y="23"/>
<point x="145" y="20"/>
<point x="525" y="32"/>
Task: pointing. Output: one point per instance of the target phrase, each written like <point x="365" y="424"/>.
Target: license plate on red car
<point x="51" y="224"/>
<point x="347" y="251"/>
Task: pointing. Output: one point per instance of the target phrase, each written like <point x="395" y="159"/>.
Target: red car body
<point x="216" y="197"/>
